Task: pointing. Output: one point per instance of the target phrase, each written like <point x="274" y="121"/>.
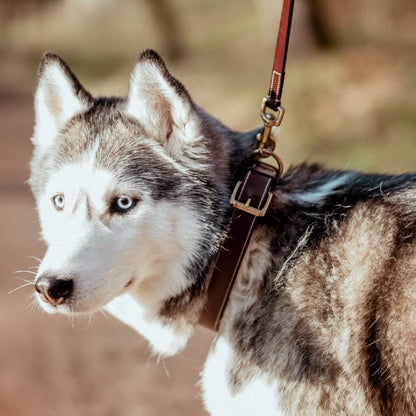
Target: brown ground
<point x="49" y="365"/>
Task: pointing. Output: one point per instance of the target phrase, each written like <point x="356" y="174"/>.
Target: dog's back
<point x="332" y="321"/>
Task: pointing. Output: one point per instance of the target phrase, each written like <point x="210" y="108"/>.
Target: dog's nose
<point x="53" y="290"/>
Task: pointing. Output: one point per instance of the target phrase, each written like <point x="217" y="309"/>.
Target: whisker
<point x="90" y="316"/>
<point x="20" y="287"/>
<point x="192" y="360"/>
<point x="25" y="271"/>
<point x="34" y="267"/>
<point x="35" y="258"/>
<point x="165" y="367"/>
<point x="104" y="313"/>
<point x="25" y="280"/>
<point x="34" y="304"/>
<point x="72" y="320"/>
<point x="31" y="297"/>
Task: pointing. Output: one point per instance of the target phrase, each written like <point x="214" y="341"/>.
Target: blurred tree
<point x="164" y="15"/>
<point x="327" y="23"/>
<point x="311" y="27"/>
<point x="370" y="21"/>
<point x="167" y="22"/>
<point x="323" y="32"/>
<point x="13" y="9"/>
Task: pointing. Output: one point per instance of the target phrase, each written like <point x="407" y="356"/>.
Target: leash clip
<point x="267" y="142"/>
<point x="270" y="120"/>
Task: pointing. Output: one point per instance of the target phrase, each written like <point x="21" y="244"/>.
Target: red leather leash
<point x="279" y="63"/>
<point x="252" y="195"/>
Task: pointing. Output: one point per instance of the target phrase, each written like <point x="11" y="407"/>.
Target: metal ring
<point x="268" y="153"/>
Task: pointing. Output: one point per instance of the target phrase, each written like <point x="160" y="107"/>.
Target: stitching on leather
<point x="244" y="185"/>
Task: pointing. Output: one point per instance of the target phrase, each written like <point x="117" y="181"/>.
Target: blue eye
<point x="123" y="204"/>
<point x="59" y="202"/>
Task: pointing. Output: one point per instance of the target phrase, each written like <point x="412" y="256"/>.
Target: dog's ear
<point x="59" y="97"/>
<point x="160" y="102"/>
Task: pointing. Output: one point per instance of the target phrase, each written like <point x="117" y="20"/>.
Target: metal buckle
<point x="246" y="206"/>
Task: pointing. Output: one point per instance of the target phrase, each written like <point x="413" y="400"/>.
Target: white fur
<point x="257" y="397"/>
<point x="165" y="340"/>
<point x="55" y="104"/>
<point x="321" y="192"/>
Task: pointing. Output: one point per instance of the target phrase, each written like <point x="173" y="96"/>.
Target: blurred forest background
<point x="350" y="96"/>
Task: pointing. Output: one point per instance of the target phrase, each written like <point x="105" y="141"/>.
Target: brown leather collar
<point x="251" y="197"/>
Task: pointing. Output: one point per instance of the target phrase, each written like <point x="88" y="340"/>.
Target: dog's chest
<point x="255" y="397"/>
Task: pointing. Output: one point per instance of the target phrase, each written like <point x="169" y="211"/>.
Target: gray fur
<point x="325" y="299"/>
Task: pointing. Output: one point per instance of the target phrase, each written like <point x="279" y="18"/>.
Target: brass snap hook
<point x="270" y="120"/>
<point x="267" y="142"/>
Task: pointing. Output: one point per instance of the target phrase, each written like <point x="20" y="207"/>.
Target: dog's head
<point x="125" y="188"/>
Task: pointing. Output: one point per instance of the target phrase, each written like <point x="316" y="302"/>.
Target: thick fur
<point x="321" y="320"/>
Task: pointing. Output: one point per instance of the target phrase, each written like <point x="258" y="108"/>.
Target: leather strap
<point x="279" y="63"/>
<point x="252" y="193"/>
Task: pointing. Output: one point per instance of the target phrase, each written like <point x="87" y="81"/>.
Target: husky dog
<point x="133" y="198"/>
